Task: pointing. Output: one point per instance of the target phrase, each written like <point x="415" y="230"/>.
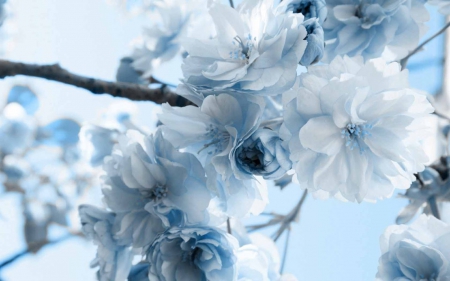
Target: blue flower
<point x="372" y="28"/>
<point x="315" y="49"/>
<point x="197" y="253"/>
<point x="127" y="73"/>
<point x="17" y="131"/>
<point x="113" y="260"/>
<point x="162" y="41"/>
<point x="255" y="50"/>
<point x="353" y="129"/>
<point x="416" y="252"/>
<point x="97" y="142"/>
<point x="23" y="96"/>
<point x="212" y="132"/>
<point x="61" y="132"/>
<point x="262" y="154"/>
<point x="148" y="180"/>
<point x="308" y="8"/>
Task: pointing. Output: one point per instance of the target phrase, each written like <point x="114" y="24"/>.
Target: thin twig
<point x="440" y="115"/>
<point x="229" y="227"/>
<point x="27" y="251"/>
<point x="286" y="247"/>
<point x="292" y="216"/>
<point x="130" y="91"/>
<point x="404" y="61"/>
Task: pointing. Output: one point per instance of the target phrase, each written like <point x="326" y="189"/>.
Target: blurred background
<point x="332" y="241"/>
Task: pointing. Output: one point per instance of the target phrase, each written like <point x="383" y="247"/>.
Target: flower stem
<point x="229" y="227"/>
<point x="290" y="217"/>
<point x="404" y="61"/>
<point x="286" y="247"/>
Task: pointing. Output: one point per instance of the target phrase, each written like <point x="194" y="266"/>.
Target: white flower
<point x="369" y="28"/>
<point x="417" y="252"/>
<point x="354" y="129"/>
<point x="444" y="6"/>
<point x="213" y="131"/>
<point x="260" y="261"/>
<point x="162" y="41"/>
<point x="255" y="50"/>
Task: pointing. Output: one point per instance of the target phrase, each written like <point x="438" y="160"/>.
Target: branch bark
<point x="55" y="72"/>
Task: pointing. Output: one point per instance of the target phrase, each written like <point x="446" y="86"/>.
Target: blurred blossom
<point x="255" y="50"/>
<point x="369" y="28"/>
<point x="25" y="97"/>
<point x="16" y="129"/>
<point x="61" y="132"/>
<point x="308" y="8"/>
<point x="443" y="5"/>
<point x="417" y="252"/>
<point x="97" y="142"/>
<point x="113" y="260"/>
<point x="127" y="73"/>
<point x="162" y="41"/>
<point x="354" y="129"/>
<point x="193" y="253"/>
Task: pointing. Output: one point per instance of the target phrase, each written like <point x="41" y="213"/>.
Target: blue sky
<point x="333" y="240"/>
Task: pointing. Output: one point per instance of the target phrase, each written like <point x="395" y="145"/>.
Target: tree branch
<point x="404" y="61"/>
<point x="130" y="91"/>
<point x="28" y="251"/>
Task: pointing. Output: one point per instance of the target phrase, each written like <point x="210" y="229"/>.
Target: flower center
<point x="243" y="50"/>
<point x="303" y="8"/>
<point x="370" y="13"/>
<point x="219" y="140"/>
<point x="156" y="193"/>
<point x="251" y="157"/>
<point x="355" y="134"/>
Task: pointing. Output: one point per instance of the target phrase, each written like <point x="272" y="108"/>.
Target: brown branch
<point x="130" y="91"/>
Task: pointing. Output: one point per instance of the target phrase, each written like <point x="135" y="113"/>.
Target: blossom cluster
<point x="348" y="126"/>
<point x="42" y="164"/>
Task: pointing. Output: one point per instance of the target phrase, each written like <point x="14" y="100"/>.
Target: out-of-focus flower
<point x="148" y="179"/>
<point x="17" y="130"/>
<point x="417" y="252"/>
<point x="260" y="261"/>
<point x="61" y="132"/>
<point x="256" y="50"/>
<point x="113" y="260"/>
<point x="354" y="129"/>
<point x="444" y="5"/>
<point x="369" y="28"/>
<point x="197" y="253"/>
<point x="431" y="187"/>
<point x="127" y="73"/>
<point x="25" y="97"/>
<point x="213" y="132"/>
<point x="262" y="154"/>
<point x="308" y="8"/>
<point x="97" y="142"/>
<point x="314" y="50"/>
<point x="161" y="42"/>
